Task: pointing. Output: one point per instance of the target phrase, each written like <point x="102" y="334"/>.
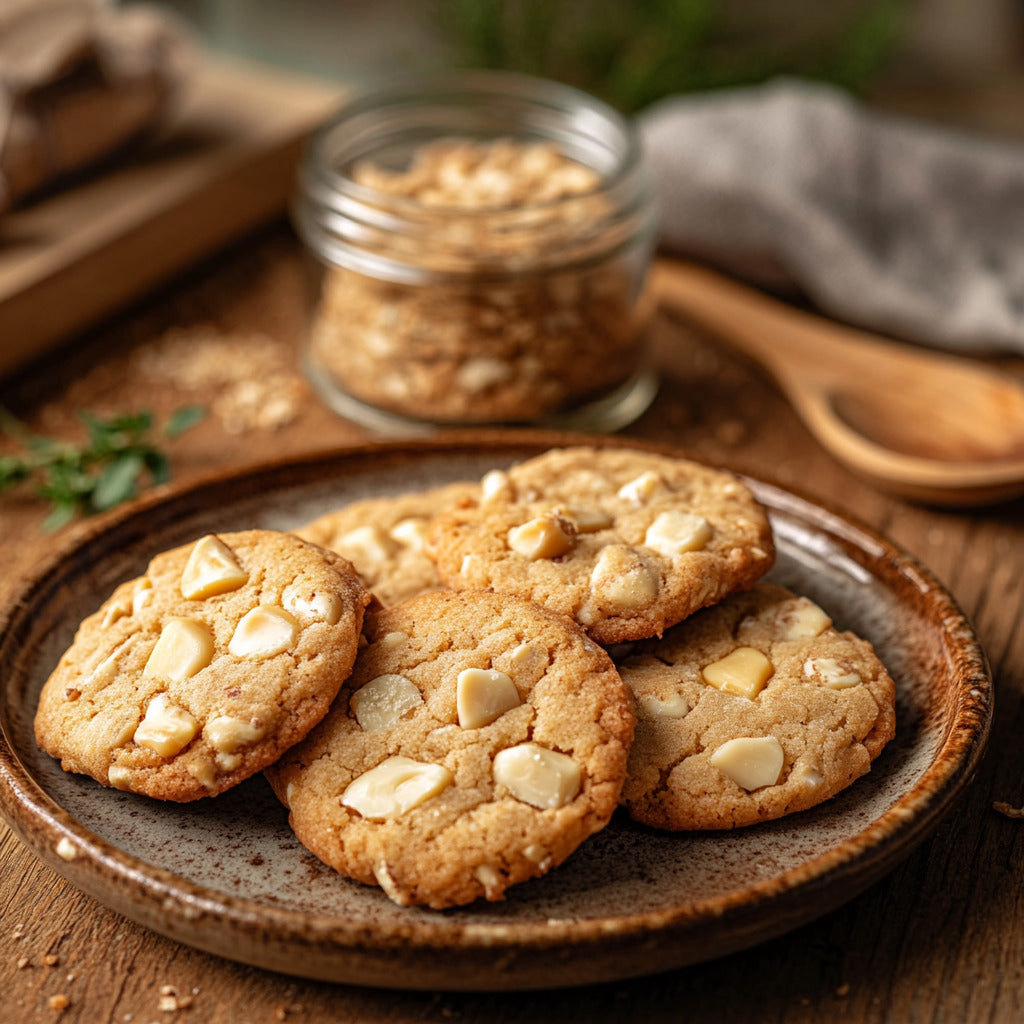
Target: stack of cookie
<point x="584" y="630"/>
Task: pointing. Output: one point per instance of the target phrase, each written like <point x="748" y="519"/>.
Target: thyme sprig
<point x="108" y="468"/>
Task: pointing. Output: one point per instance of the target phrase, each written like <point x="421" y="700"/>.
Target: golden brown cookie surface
<point x="202" y="672"/>
<point x="480" y="740"/>
<point x="625" y="542"/>
<point x="750" y="710"/>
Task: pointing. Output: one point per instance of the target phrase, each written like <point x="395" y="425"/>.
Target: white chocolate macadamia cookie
<point x="384" y="539"/>
<point x="750" y="710"/>
<point x="625" y="542"/>
<point x="202" y="672"/>
<point x="479" y="741"/>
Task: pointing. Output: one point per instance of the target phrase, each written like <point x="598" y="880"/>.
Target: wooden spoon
<point x="928" y="426"/>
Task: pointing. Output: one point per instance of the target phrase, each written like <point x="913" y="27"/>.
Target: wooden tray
<point x="227" y="165"/>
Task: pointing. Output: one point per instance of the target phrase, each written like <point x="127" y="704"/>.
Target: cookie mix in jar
<point x="481" y="242"/>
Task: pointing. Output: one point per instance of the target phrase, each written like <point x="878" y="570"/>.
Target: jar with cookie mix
<point x="481" y="242"/>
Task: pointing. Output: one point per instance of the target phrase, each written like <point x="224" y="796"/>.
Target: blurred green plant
<point x="105" y="470"/>
<point x="632" y="53"/>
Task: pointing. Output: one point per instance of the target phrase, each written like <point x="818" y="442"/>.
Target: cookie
<point x="205" y="670"/>
<point x="480" y="740"/>
<point x="384" y="539"/>
<point x="625" y="542"/>
<point x="750" y="710"/>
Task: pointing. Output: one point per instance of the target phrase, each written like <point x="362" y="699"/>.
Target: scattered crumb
<point x="171" y="1001"/>
<point x="23" y="962"/>
<point x="66" y="849"/>
<point x="59" y="1002"/>
<point x="18" y="933"/>
<point x="51" y="959"/>
<point x="281" y="1011"/>
<point x="254" y="376"/>
<point x="843" y="990"/>
<point x="1008" y="809"/>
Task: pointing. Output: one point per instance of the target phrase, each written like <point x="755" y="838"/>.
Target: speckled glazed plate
<point x="227" y="875"/>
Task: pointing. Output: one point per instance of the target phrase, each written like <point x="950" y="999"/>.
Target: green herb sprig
<point x="108" y="468"/>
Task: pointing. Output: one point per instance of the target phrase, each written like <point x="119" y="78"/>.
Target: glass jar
<point x="482" y="241"/>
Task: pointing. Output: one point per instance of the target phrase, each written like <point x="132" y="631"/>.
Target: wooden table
<point x="940" y="939"/>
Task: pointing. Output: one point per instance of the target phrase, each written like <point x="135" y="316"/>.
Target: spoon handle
<point x="774" y="334"/>
<point x="808" y="353"/>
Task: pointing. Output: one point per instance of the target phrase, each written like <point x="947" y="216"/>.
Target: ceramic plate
<point x="228" y="876"/>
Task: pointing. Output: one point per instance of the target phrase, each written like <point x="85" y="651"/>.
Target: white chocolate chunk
<point x="482" y="695"/>
<point x="316" y="605"/>
<point x="184" y="648"/>
<point x="382" y="702"/>
<point x="536" y="853"/>
<point x="806" y="775"/>
<point x="742" y="672"/>
<point x="538" y="776"/>
<point x="674" y="533"/>
<point x="528" y="662"/>
<point x="211" y="569"/>
<point x="395" y="787"/>
<point x="103" y="673"/>
<point x="228" y="762"/>
<point x="642" y="489"/>
<point x="832" y="673"/>
<point x="675" y="705"/>
<point x="751" y="762"/>
<point x="117" y="610"/>
<point x="367" y="545"/>
<point x="490" y="879"/>
<point x="119" y="777"/>
<point x="264" y="631"/>
<point x="494" y="485"/>
<point x="227" y="734"/>
<point x="166" y="728"/>
<point x="590" y="520"/>
<point x="143" y="595"/>
<point x="124" y="606"/>
<point x="547" y="536"/>
<point x="203" y="772"/>
<point x="804" y="619"/>
<point x="386" y="880"/>
<point x="621" y="581"/>
<point x="410" y="533"/>
<point x="393" y="639"/>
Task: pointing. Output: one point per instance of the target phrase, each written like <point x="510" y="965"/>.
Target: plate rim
<point x="42" y="823"/>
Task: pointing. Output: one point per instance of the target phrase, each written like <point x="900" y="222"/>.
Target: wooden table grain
<point x="941" y="939"/>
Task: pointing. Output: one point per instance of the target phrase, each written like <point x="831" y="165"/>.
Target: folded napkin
<point x="880" y="221"/>
<point x="79" y="78"/>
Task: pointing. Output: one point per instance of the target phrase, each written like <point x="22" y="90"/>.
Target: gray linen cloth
<point x="904" y="229"/>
